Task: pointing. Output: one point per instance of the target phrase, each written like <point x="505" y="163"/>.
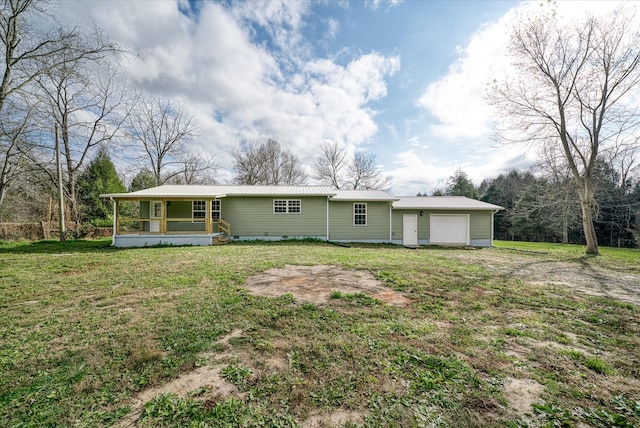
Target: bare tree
<point x="161" y="130"/>
<point x="247" y="167"/>
<point x="329" y="168"/>
<point x="14" y="124"/>
<point x="332" y="168"/>
<point x="89" y="106"/>
<point x="197" y="169"/>
<point x="364" y="174"/>
<point x="558" y="195"/>
<point x="25" y="54"/>
<point x="570" y="92"/>
<point x="266" y="164"/>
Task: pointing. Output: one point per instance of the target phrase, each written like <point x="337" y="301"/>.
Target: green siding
<point x="479" y="222"/>
<point x="342" y="227"/>
<point x="423" y="224"/>
<point x="254" y="217"/>
<point x="179" y="209"/>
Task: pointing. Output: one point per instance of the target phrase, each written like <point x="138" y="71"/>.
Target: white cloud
<point x="375" y="4"/>
<point x="222" y="70"/>
<point x="414" y="173"/>
<point x="332" y="28"/>
<point x="427" y="167"/>
<point x="457" y="99"/>
<point x="281" y="19"/>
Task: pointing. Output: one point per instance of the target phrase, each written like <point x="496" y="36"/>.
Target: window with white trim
<point x="199" y="210"/>
<point x="216" y="209"/>
<point x="359" y="214"/>
<point x="287" y="206"/>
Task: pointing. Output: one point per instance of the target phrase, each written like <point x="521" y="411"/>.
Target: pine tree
<point x="461" y="185"/>
<point x="99" y="177"/>
<point x="143" y="180"/>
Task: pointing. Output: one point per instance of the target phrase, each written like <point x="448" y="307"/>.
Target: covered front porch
<point x="169" y="221"/>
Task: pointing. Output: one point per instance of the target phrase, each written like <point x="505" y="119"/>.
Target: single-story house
<point x="207" y="215"/>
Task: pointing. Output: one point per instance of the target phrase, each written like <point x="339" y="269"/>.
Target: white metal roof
<point x="194" y="191"/>
<point x="443" y="203"/>
<point x="200" y="191"/>
<point x="362" y="195"/>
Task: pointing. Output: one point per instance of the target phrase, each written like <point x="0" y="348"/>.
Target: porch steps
<point x="221" y="240"/>
<point x="225" y="236"/>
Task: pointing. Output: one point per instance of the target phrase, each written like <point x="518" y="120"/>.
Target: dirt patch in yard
<point x="522" y="394"/>
<point x="210" y="377"/>
<point x="333" y="419"/>
<point x="206" y="376"/>
<point x="314" y="284"/>
<point x="578" y="274"/>
<point x="310" y="284"/>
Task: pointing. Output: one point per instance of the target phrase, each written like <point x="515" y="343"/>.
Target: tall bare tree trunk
<point x="570" y="87"/>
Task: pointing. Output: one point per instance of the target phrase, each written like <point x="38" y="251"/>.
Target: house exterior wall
<point x="179" y="209"/>
<point x="479" y="225"/>
<point x="423" y="226"/>
<point x="253" y="218"/>
<point x="341" y="227"/>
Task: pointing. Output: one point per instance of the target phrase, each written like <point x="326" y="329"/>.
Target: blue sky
<point x="402" y="79"/>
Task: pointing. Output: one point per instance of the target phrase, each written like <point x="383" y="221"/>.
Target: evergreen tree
<point x="461" y="185"/>
<point x="143" y="180"/>
<point x="99" y="177"/>
<point x="505" y="190"/>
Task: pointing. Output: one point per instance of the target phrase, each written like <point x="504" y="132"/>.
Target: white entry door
<point x="410" y="230"/>
<point x="155" y="211"/>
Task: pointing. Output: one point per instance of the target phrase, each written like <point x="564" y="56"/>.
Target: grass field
<point x="86" y="329"/>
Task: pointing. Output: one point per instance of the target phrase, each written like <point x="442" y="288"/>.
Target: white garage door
<point x="449" y="229"/>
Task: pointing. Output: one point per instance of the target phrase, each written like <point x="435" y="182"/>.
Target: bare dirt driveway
<point x="537" y="268"/>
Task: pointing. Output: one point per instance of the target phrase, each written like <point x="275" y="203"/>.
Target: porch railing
<point x="224" y="227"/>
<point x="171" y="225"/>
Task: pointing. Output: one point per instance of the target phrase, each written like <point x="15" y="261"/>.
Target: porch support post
<point x="163" y="217"/>
<point x="116" y="221"/>
<point x="208" y="218"/>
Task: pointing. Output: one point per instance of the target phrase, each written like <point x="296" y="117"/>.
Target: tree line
<point x="541" y="205"/>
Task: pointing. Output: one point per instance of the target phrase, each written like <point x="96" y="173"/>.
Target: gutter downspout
<point x="492" y="221"/>
<point x="327" y="218"/>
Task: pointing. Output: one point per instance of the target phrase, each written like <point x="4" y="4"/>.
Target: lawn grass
<point x="84" y="327"/>
<point x="627" y="256"/>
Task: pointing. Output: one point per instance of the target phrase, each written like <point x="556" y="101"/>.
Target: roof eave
<point x="451" y="208"/>
<point x="150" y="197"/>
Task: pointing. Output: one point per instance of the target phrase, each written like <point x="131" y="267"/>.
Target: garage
<point x="442" y="220"/>
<point x="449" y="229"/>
